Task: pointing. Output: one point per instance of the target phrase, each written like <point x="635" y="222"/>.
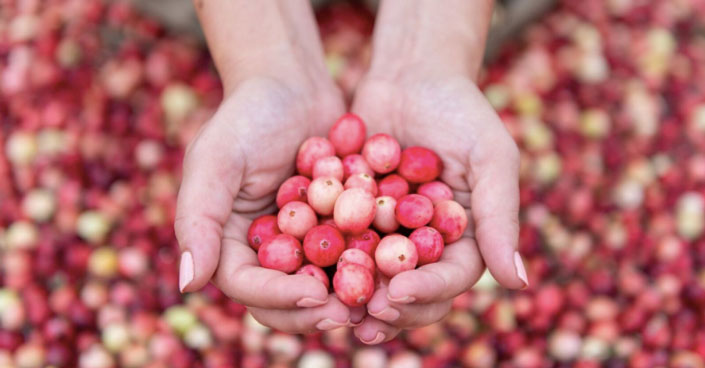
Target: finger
<point x="373" y="331"/>
<point x="357" y="314"/>
<point x="241" y="278"/>
<point x="212" y="173"/>
<point x="494" y="183"/>
<point x="331" y="315"/>
<point x="458" y="269"/>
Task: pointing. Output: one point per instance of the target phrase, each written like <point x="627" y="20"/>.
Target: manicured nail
<point x="521" y="271"/>
<point x="185" y="270"/>
<point x="387" y="314"/>
<point x="329" y="324"/>
<point x="403" y="300"/>
<point x="378" y="338"/>
<point x="310" y="302"/>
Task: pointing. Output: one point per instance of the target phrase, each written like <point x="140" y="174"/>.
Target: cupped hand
<point x="448" y="114"/>
<point x="231" y="173"/>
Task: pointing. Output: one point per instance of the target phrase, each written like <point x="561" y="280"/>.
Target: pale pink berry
<point x="283" y="253"/>
<point x="322" y="194"/>
<point x="353" y="284"/>
<point x="396" y="253"/>
<point x="450" y="219"/>
<point x="364" y="181"/>
<point x="347" y="134"/>
<point x="323" y="245"/>
<point x="436" y="191"/>
<point x="296" y="218"/>
<point x="366" y="241"/>
<point x="420" y="165"/>
<point x="385" y="217"/>
<point x="393" y="185"/>
<point x="357" y="256"/>
<point x="382" y="152"/>
<point x="355" y="164"/>
<point x="310" y="151"/>
<point x="429" y="244"/>
<point x="354" y="210"/>
<point x="316" y="272"/>
<point x="261" y="230"/>
<point x="414" y="210"/>
<point x="328" y="166"/>
<point x="293" y="189"/>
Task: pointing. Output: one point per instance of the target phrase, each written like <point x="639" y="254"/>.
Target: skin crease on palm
<point x="233" y="168"/>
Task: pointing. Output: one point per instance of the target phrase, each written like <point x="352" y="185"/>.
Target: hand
<point x="448" y="114"/>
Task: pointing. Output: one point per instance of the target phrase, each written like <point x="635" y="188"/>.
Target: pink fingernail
<point x="329" y="324"/>
<point x="378" y="338"/>
<point x="521" y="271"/>
<point x="310" y="302"/>
<point x="388" y="315"/>
<point x="185" y="270"/>
<point x="403" y="300"/>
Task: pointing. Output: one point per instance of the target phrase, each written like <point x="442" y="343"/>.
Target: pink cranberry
<point x="420" y="165"/>
<point x="353" y="284"/>
<point x="450" y="219"/>
<point x="282" y="253"/>
<point x="396" y="253"/>
<point x="316" y="272"/>
<point x="296" y="218"/>
<point x="366" y="241"/>
<point x="347" y="134"/>
<point x="322" y="194"/>
<point x="414" y="210"/>
<point x="293" y="189"/>
<point x="356" y="164"/>
<point x="429" y="244"/>
<point x="354" y="210"/>
<point x="436" y="191"/>
<point x="393" y="185"/>
<point x="310" y="151"/>
<point x="328" y="166"/>
<point x="382" y="153"/>
<point x="323" y="245"/>
<point x="358" y="257"/>
<point x="262" y="230"/>
<point x="363" y="181"/>
<point x="328" y="220"/>
<point x="385" y="217"/>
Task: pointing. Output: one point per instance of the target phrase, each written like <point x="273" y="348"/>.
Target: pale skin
<point x="420" y="88"/>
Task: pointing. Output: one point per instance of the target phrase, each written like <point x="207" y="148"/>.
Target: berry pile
<point x="333" y="219"/>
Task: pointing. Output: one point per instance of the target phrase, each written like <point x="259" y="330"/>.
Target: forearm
<point x="449" y="35"/>
<point x="261" y="37"/>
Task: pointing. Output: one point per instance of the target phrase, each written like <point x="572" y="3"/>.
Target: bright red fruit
<point x="262" y="230"/>
<point x="414" y="210"/>
<point x="394" y="186"/>
<point x="347" y="134"/>
<point x="420" y="165"/>
<point x="293" y="189"/>
<point x="366" y="241"/>
<point x="323" y="245"/>
<point x="282" y="253"/>
<point x="429" y="244"/>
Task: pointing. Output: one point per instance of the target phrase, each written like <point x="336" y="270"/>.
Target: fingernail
<point x="403" y="300"/>
<point x="378" y="338"/>
<point x="329" y="324"/>
<point x="387" y="314"/>
<point x="521" y="271"/>
<point x="185" y="270"/>
<point x="310" y="302"/>
<point x="355" y="324"/>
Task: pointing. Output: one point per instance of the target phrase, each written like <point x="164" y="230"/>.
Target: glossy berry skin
<point x="347" y="134"/>
<point x="393" y="185"/>
<point x="322" y="194"/>
<point x="293" y="189"/>
<point x="354" y="210"/>
<point x="316" y="272"/>
<point x="353" y="284"/>
<point x="261" y="230"/>
<point x="436" y="191"/>
<point x="296" y="218"/>
<point x="328" y="166"/>
<point x="382" y="152"/>
<point x="414" y="211"/>
<point x="366" y="241"/>
<point x="357" y="256"/>
<point x="450" y="219"/>
<point x="283" y="253"/>
<point x="323" y="245"/>
<point x="385" y="217"/>
<point x="429" y="244"/>
<point x="364" y="181"/>
<point x="310" y="151"/>
<point x="356" y="164"/>
<point x="395" y="253"/>
<point x="420" y="165"/>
